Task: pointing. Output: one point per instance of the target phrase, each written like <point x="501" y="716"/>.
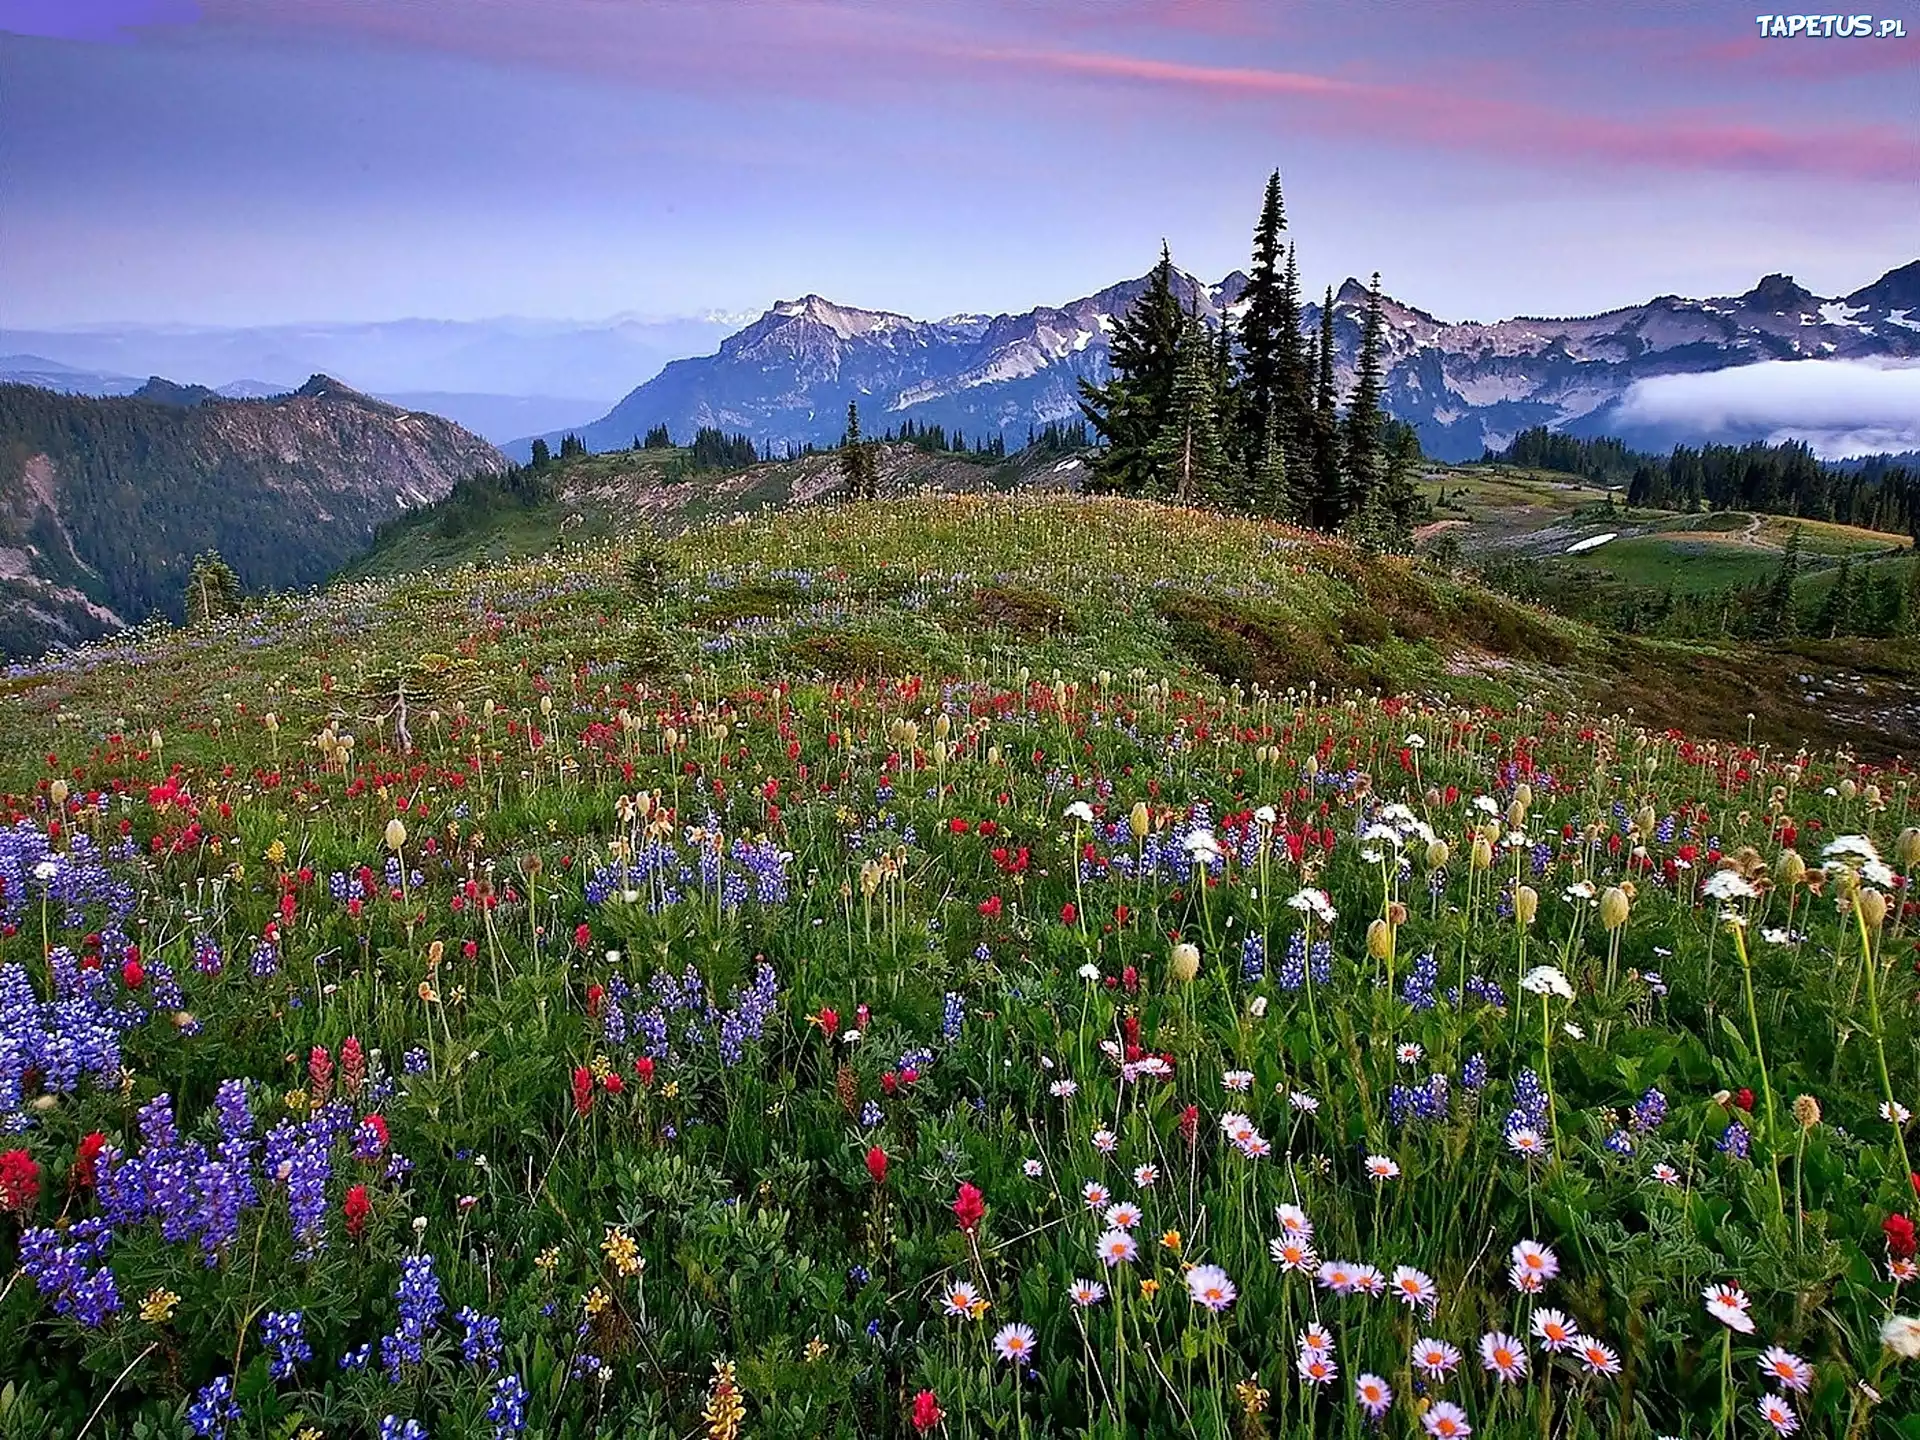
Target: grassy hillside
<point x="928" y="585"/>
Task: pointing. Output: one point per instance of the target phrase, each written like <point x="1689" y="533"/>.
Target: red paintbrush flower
<point x="969" y="1206"/>
<point x="356" y="1207"/>
<point x="877" y="1164"/>
<point x="926" y="1411"/>
<point x="1900" y="1238"/>
<point x="19" y="1181"/>
<point x="583" y="1090"/>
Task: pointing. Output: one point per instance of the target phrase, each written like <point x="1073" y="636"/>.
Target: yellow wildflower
<point x="724" y="1409"/>
<point x="1149" y="1289"/>
<point x="596" y="1301"/>
<point x="157" y="1308"/>
<point x="619" y="1247"/>
<point x="277" y="852"/>
<point x="1172" y="1241"/>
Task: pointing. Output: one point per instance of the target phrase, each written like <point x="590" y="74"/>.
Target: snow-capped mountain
<point x="787" y="377"/>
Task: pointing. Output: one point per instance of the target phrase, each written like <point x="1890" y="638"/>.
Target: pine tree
<point x="1187" y="453"/>
<point x="1365" y="470"/>
<point x="1270" y="487"/>
<point x="1293" y="375"/>
<point x="213" y="589"/>
<point x="1129" y="411"/>
<point x="1776" y="618"/>
<point x="1332" y="504"/>
<point x="1262" y="319"/>
<point x="542" y="456"/>
<point x="858" y="466"/>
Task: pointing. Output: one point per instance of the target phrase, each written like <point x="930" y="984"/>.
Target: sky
<point x="242" y="162"/>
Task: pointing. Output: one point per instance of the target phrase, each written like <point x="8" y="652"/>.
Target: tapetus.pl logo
<point x="1833" y="27"/>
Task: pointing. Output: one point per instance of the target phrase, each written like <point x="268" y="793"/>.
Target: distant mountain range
<point x="500" y="378"/>
<point x="787" y="377"/>
<point x="104" y="502"/>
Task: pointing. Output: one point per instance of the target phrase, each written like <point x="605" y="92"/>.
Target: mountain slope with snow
<point x="787" y="378"/>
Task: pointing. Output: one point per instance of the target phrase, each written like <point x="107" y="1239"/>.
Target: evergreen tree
<point x="1293" y="376"/>
<point x="1836" y="607"/>
<point x="1270" y="485"/>
<point x="858" y="465"/>
<point x="1262" y="321"/>
<point x="658" y="439"/>
<point x="1130" y="410"/>
<point x="213" y="589"/>
<point x="1775" y="618"/>
<point x="542" y="456"/>
<point x="1332" y="506"/>
<point x="1187" y="453"/>
<point x="1365" y="469"/>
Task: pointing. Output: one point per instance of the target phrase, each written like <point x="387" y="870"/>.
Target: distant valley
<point x="104" y="502"/>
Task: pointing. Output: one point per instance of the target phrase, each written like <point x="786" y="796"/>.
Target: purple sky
<point x="245" y="161"/>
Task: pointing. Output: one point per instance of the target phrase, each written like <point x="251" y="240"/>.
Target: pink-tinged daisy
<point x="1599" y="1359"/>
<point x="1014" y="1342"/>
<point x="1064" y="1089"/>
<point x="1318" y="1338"/>
<point x="1894" y="1112"/>
<point x="1123" y="1216"/>
<point x="1256" y="1147"/>
<point x="1527" y="1282"/>
<point x="1210" y="1287"/>
<point x="959" y="1299"/>
<point x="1786" y="1369"/>
<point x="1408" y="1054"/>
<point x="1414" y="1287"/>
<point x="1294" y="1221"/>
<point x="1503" y="1355"/>
<point x="1434" y="1358"/>
<point x="1303" y="1102"/>
<point x="1525" y="1140"/>
<point x="1728" y="1304"/>
<point x="1145" y="1177"/>
<point x="1367" y="1280"/>
<point x="1379" y="1167"/>
<point x="1296" y="1257"/>
<point x="1238" y="1081"/>
<point x="1316" y="1368"/>
<point x="1095" y="1194"/>
<point x="1105" y="1141"/>
<point x="1373" y="1395"/>
<point x="1901" y="1271"/>
<point x="1446" y="1421"/>
<point x="1237" y="1127"/>
<point x="1666" y="1174"/>
<point x="1337" y="1276"/>
<point x="1531" y="1255"/>
<point x="1086" y="1292"/>
<point x="1779" y="1414"/>
<point x="1116" y="1247"/>
<point x="1034" y="1169"/>
<point x="1554" y="1331"/>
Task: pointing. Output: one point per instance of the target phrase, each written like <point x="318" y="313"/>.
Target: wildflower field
<point x="800" y="984"/>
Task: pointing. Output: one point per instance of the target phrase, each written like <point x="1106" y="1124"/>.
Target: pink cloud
<point x="1423" y="115"/>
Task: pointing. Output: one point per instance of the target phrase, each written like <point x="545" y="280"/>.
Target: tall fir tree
<point x="859" y="467"/>
<point x="1263" y="319"/>
<point x="1365" y="468"/>
<point x="1130" y="410"/>
<point x="1188" y="454"/>
<point x="1270" y="491"/>
<point x="1332" y="503"/>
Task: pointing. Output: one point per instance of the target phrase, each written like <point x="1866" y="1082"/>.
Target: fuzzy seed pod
<point x="396" y="833"/>
<point x="1907" y="847"/>
<point x="1516" y="816"/>
<point x="1437" y="854"/>
<point x="1806" y="1111"/>
<point x="1848" y="790"/>
<point x="1526" y="904"/>
<point x="1789" y="869"/>
<point x="1614" y="908"/>
<point x="942" y="726"/>
<point x="1523" y="795"/>
<point x="57" y="792"/>
<point x="1482" y="853"/>
<point x="1138" y="820"/>
<point x="1379" y="939"/>
<point x="1184" y="963"/>
<point x="1873" y="907"/>
<point x="1645" y="820"/>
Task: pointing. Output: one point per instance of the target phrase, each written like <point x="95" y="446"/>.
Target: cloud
<point x="1432" y="116"/>
<point x="1839" y="408"/>
<point x="92" y="19"/>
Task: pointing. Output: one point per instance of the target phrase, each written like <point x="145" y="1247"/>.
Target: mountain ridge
<point x="785" y="378"/>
